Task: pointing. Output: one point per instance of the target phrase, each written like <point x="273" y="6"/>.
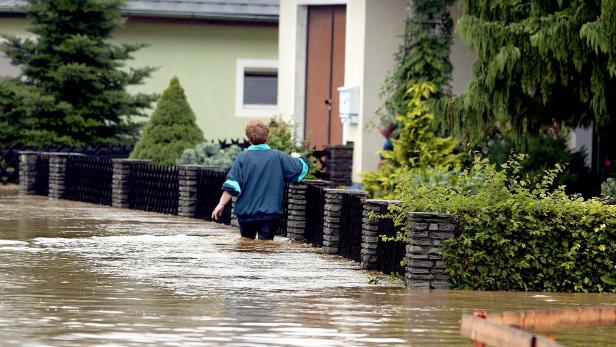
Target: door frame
<point x="301" y="53"/>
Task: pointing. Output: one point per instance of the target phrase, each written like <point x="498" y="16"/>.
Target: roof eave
<point x="174" y="15"/>
<point x="192" y="15"/>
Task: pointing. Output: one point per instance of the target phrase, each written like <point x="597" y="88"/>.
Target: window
<point x="256" y="88"/>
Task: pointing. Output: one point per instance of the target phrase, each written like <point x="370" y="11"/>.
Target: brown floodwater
<point x="74" y="274"/>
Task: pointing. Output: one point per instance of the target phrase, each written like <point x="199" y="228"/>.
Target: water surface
<point x="74" y="274"/>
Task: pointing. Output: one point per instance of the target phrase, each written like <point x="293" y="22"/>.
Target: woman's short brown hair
<point x="257" y="132"/>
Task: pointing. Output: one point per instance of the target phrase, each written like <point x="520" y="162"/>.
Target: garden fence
<point x="153" y="188"/>
<point x="41" y="185"/>
<point x="351" y="227"/>
<point x="9" y="156"/>
<point x="91" y="179"/>
<point x="315" y="204"/>
<point x="335" y="219"/>
<point x="209" y="184"/>
<point x="389" y="253"/>
<point x="282" y="228"/>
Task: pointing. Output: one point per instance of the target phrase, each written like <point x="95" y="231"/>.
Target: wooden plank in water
<point x="546" y="320"/>
<point x="495" y="334"/>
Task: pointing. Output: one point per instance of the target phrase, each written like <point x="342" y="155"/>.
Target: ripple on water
<point x="80" y="275"/>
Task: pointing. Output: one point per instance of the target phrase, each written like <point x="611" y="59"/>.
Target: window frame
<point x="253" y="65"/>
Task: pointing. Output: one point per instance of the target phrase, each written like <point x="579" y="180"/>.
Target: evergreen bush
<point x="518" y="234"/>
<point x="170" y="130"/>
<point x="210" y="154"/>
<point x="281" y="137"/>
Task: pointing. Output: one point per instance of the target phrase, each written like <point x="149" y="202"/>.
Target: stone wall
<point x="426" y="268"/>
<point x="27" y="172"/>
<point x="296" y="210"/>
<point x="188" y="190"/>
<point x="339" y="164"/>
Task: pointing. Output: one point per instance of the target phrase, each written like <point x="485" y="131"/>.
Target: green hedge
<point x="516" y="234"/>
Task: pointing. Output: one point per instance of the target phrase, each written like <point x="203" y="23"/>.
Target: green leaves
<point x="171" y="129"/>
<point x="608" y="190"/>
<point x="72" y="89"/>
<point x="539" y="63"/>
<point x="517" y="236"/>
<point x="417" y="145"/>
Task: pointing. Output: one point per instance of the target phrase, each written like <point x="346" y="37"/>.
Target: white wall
<point x="462" y="57"/>
<point x="383" y="30"/>
<point x="374" y="30"/>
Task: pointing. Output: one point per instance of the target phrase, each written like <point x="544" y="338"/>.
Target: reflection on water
<point x="73" y="274"/>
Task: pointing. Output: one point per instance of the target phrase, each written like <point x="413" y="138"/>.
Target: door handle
<point x="328" y="102"/>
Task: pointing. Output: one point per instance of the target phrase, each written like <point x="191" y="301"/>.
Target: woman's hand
<point x="218" y="211"/>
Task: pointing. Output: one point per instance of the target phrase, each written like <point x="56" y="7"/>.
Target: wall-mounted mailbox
<point x="349" y="104"/>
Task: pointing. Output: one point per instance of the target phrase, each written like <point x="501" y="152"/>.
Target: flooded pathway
<point x="74" y="274"/>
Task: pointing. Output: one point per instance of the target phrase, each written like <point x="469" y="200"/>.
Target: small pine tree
<point x="72" y="89"/>
<point x="171" y="129"/>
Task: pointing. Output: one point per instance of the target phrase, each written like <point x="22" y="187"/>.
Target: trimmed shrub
<point x="210" y="154"/>
<point x="516" y="233"/>
<point x="170" y="130"/>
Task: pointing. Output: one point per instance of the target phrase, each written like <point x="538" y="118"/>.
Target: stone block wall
<point x="188" y="190"/>
<point x="426" y="268"/>
<point x="339" y="164"/>
<point x="296" y="210"/>
<point x="57" y="174"/>
<point x="332" y="217"/>
<point x="121" y="173"/>
<point x="27" y="172"/>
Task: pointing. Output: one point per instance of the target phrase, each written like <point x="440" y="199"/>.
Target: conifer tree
<point x="171" y="129"/>
<point x="540" y="63"/>
<point x="72" y="89"/>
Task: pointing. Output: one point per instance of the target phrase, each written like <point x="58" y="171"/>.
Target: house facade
<point x="224" y="54"/>
<point x="329" y="46"/>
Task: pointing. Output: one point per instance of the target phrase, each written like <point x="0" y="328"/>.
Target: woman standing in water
<point x="257" y="178"/>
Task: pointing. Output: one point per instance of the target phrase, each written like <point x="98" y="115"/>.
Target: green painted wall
<point x="202" y="56"/>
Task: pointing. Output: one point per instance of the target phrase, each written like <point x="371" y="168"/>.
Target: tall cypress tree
<point x="540" y="63"/>
<point x="72" y="89"/>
